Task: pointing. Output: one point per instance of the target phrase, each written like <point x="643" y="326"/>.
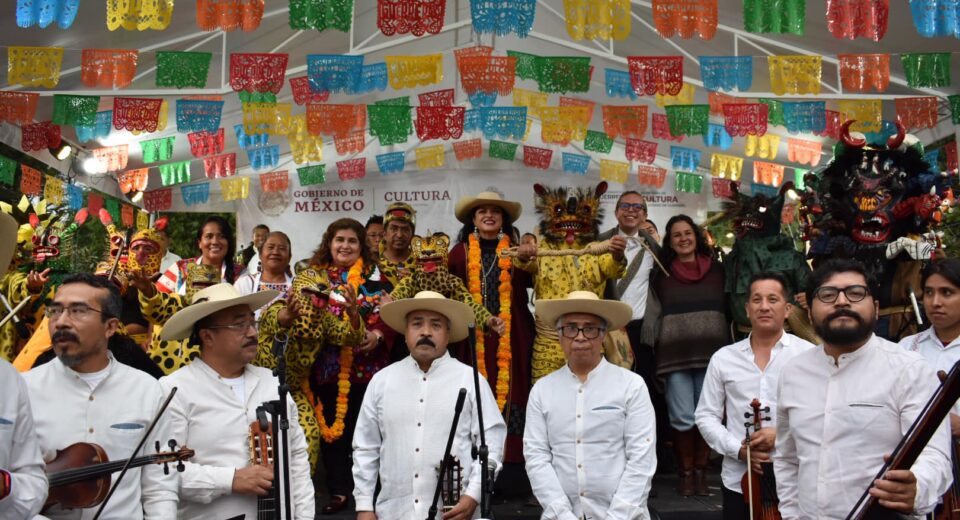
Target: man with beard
<point x="396" y="258"/>
<point x="407" y="413"/>
<point x="85" y="395"/>
<point x="217" y="403"/>
<point x="844" y="406"/>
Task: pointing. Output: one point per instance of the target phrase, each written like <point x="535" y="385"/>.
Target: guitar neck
<point x="72" y="476"/>
<point x="267" y="506"/>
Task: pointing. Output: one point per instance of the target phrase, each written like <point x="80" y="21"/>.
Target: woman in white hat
<point x="487" y="229"/>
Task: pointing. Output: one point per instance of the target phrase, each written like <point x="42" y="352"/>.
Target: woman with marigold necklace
<point x="505" y="360"/>
<point x="341" y="372"/>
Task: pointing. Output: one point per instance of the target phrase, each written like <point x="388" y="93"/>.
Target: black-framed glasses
<point x="635" y="206"/>
<point x="76" y="311"/>
<point x="238" y="327"/>
<point x="853" y="293"/>
<point x="589" y="332"/>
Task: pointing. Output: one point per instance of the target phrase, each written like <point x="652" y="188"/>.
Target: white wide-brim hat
<point x="614" y="312"/>
<point x="460" y="314"/>
<point x="209" y="301"/>
<point x="466" y="205"/>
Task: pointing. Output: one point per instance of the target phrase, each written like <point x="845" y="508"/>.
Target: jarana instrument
<point x="759" y="490"/>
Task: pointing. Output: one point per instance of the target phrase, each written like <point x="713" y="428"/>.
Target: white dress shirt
<point x="938" y="355"/>
<point x="113" y="415"/>
<point x="732" y="382"/>
<point x="168" y="261"/>
<point x="590" y="446"/>
<point x="635" y="294"/>
<point x="19" y="452"/>
<point x="208" y="416"/>
<point x="402" y="433"/>
<point x="836" y="421"/>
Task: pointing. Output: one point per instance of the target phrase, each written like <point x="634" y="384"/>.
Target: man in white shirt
<point x="216" y="404"/>
<point x="843" y="406"/>
<point x="169" y="257"/>
<point x="85" y="395"/>
<point x="738" y="374"/>
<point x="23" y="484"/>
<point x="407" y="413"/>
<point x="590" y="433"/>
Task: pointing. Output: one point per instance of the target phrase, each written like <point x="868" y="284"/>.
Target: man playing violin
<point x="85" y="395"/>
<point x="738" y="374"/>
<point x="23" y="485"/>
<point x="216" y="404"/>
<point x="844" y="406"/>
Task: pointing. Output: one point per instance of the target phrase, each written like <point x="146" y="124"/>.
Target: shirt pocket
<point x="127" y="433"/>
<point x="864" y="414"/>
<point x="6" y="430"/>
<point x="608" y="421"/>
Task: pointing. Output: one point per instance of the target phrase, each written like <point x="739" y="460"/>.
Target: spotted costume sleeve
<point x="461" y="294"/>
<point x="531" y="266"/>
<point x="612" y="268"/>
<point x="160" y="307"/>
<point x="331" y="331"/>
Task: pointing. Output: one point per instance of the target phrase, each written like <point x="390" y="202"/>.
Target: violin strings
<point x="70" y="475"/>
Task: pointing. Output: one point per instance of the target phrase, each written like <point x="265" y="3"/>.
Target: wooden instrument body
<point x="262" y="454"/>
<point x="83" y="493"/>
<point x="759" y="490"/>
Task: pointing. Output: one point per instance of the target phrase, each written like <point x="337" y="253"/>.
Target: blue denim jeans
<point x="682" y="395"/>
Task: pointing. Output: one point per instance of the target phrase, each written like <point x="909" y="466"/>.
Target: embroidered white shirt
<point x="590" y="447"/>
<point x="402" y="433"/>
<point x="836" y="420"/>
<point x="19" y="451"/>
<point x="732" y="382"/>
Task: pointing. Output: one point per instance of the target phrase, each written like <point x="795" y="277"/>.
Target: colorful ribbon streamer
<point x="795" y="74"/>
<point x="429" y="157"/>
<point x="155" y="150"/>
<point x="439" y="122"/>
<point x="537" y="158"/>
<point x="44" y="12"/>
<point x="500" y="122"/>
<point x="765" y="147"/>
<point x="136" y="114"/>
<point x="195" y="193"/>
<point x="603" y="19"/>
<point x="640" y="150"/>
<point x="927" y="69"/>
<point x="74" y="197"/>
<point x="625" y="121"/>
<point x="578" y="102"/>
<point x="182" y="69"/>
<point x="274" y="181"/>
<point x="108" y="68"/>
<point x="53" y="190"/>
<point x="767" y="173"/>
<point x="560" y="125"/>
<point x="304" y="147"/>
<point x="335" y="120"/>
<point x="528" y="98"/>
<point x="803" y="151"/>
<point x="717" y="100"/>
<point x="229" y="15"/>
<point x="954" y="101"/>
<point x="742" y="119"/>
<point x="562" y="74"/>
<point x="684" y="97"/>
<point x="917" y="112"/>
<point x="31" y="181"/>
<point x="18" y="108"/>
<point x="653" y="176"/>
<point x="723" y="188"/>
<point x="268" y="118"/>
<point x="684" y="158"/>
<point x="936" y="17"/>
<point x="174" y="173"/>
<point x="687" y="182"/>
<point x="487" y="74"/>
<point x="321" y="15"/>
<point x="414" y="71"/>
<point x="390" y="124"/>
<point x="8" y="168"/>
<point x="684" y="18"/>
<point x="831" y="127"/>
<point x="373" y="77"/>
<point x="526" y="64"/>
<point x="858" y="18"/>
<point x="575" y="163"/>
<point x="661" y="129"/>
<point x="354" y="142"/>
<point x="393" y="162"/>
<point x="264" y="157"/>
<point x="75" y="110"/>
<point x="257" y="72"/>
<point x="139" y="15"/>
<point x="312" y="175"/>
<point x="502" y="150"/>
<point x="726" y="166"/>
<point x="157" y="200"/>
<point x="597" y="142"/>
<point x="867" y="112"/>
<point x="410" y="16"/>
<point x="133" y="180"/>
<point x="774" y="111"/>
<point x="303" y="94"/>
<point x="503" y="17"/>
<point x="864" y="72"/>
<point x="774" y="16"/>
<point x="198" y="115"/>
<point x="334" y="72"/>
<point x="203" y="144"/>
<point x="34" y="66"/>
<point x="219" y="166"/>
<point x="237" y="188"/>
<point x="352" y="169"/>
<point x="688" y="119"/>
<point x="249" y="141"/>
<point x="436" y="98"/>
<point x="39" y="136"/>
<point x="618" y="83"/>
<point x="614" y="171"/>
<point x="726" y="72"/>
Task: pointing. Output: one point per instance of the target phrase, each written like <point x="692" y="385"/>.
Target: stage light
<point x="61" y="151"/>
<point x="92" y="166"/>
<point x="135" y="196"/>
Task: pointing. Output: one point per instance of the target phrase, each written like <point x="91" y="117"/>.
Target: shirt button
<point x="418" y="425"/>
<point x="417" y="450"/>
<point x="424" y="378"/>
<point x="578" y="441"/>
<point x="91" y="398"/>
<point x="578" y="416"/>
<point x="416" y="500"/>
<point x="91" y="430"/>
<point x="421" y="400"/>
<point x="580" y="391"/>
<point x="583" y="494"/>
<point x="416" y="475"/>
<point x="580" y="466"/>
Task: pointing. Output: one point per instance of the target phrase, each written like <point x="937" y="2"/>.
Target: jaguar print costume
<point x="569" y="219"/>
<point x="432" y="274"/>
<point x="314" y="328"/>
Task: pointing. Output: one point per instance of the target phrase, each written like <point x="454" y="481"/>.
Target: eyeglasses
<point x="589" y="332"/>
<point x="853" y="293"/>
<point x="633" y="206"/>
<point x="238" y="327"/>
<point x="76" y="311"/>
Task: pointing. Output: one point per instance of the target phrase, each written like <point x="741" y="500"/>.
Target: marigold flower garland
<point x="335" y="430"/>
<point x="474" y="283"/>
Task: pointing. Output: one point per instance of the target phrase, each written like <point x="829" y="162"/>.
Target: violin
<point x="759" y="490"/>
<point x="911" y="445"/>
<point x="79" y="476"/>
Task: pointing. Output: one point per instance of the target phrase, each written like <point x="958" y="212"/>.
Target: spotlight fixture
<point x="92" y="166"/>
<point x="61" y="151"/>
<point x="135" y="196"/>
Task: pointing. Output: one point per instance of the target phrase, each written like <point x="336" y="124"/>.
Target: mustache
<point x="840" y="313"/>
<point x="64" y="334"/>
<point x="426" y="341"/>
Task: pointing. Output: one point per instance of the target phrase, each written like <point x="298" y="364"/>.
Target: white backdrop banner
<point x="303" y="212"/>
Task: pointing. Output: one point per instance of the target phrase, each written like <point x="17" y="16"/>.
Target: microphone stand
<point x="280" y="425"/>
<point x="482" y="452"/>
<point x="133" y="455"/>
<point x="445" y="461"/>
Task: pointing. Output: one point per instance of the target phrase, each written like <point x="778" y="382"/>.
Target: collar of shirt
<point x="437" y="364"/>
<point x="72" y="375"/>
<point x="746" y="348"/>
<point x="850" y="357"/>
<point x="597" y="370"/>
<point x="931" y="336"/>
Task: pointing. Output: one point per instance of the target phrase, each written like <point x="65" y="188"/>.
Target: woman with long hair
<point x="693" y="325"/>
<point x="274" y="272"/>
<point x="491" y="279"/>
<point x="330" y="374"/>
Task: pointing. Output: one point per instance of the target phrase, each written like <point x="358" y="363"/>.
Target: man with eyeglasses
<point x="216" y="404"/>
<point x="85" y="395"/>
<point x="843" y="406"/>
<point x="590" y="435"/>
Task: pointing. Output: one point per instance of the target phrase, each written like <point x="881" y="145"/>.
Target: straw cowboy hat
<point x="615" y="313"/>
<point x="8" y="240"/>
<point x="466" y="205"/>
<point x="460" y="314"/>
<point x="208" y="301"/>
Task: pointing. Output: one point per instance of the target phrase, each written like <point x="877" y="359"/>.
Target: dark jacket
<point x="614" y="288"/>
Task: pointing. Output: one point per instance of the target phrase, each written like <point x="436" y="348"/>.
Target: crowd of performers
<point x="636" y="343"/>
